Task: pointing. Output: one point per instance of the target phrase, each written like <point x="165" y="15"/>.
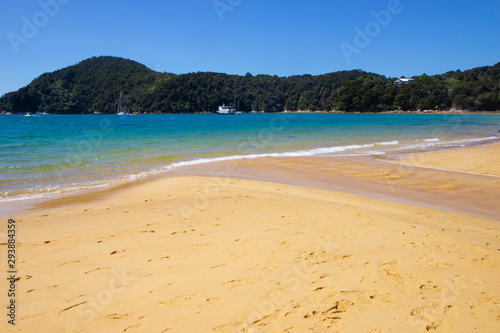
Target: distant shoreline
<point x="287" y="111"/>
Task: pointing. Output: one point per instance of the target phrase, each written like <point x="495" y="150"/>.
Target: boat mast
<point x="120" y="103"/>
<point x="44" y="105"/>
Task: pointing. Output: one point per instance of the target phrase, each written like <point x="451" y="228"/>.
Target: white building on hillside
<point x="403" y="80"/>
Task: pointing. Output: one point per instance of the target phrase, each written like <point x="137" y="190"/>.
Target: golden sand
<point x="205" y="254"/>
<point x="482" y="160"/>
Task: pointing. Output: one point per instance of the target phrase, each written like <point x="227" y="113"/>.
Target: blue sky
<point x="277" y="37"/>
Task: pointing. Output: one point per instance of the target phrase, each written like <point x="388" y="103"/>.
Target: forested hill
<point x="91" y="85"/>
<point x="94" y="85"/>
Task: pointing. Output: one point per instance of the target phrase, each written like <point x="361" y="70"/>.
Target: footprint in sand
<point x="115" y="316"/>
<point x="343" y="257"/>
<point x="72" y="306"/>
<point x="334" y="312"/>
<point x="370" y="279"/>
<point x="387" y="264"/>
<point x="269" y="320"/>
<point x="430" y="287"/>
<point x="411" y="245"/>
<point x="451" y="311"/>
<point x="137" y="327"/>
<point x="234" y="283"/>
<point x="181" y="299"/>
<point x="97" y="269"/>
<point x="69" y="262"/>
<point x="381" y="296"/>
<point x="207" y="301"/>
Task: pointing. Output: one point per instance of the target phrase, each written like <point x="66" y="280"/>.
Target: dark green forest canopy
<point x="93" y="85"/>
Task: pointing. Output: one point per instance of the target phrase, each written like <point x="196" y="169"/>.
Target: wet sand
<point x="479" y="160"/>
<point x="345" y="244"/>
<point x="400" y="180"/>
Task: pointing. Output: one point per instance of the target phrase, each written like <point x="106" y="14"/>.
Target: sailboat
<point x="238" y="109"/>
<point x="44" y="112"/>
<point x="120" y="110"/>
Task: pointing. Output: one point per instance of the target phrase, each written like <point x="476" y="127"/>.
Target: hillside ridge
<point x="93" y="85"/>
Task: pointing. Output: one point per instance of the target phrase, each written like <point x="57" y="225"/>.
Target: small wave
<point x="388" y="143"/>
<point x="72" y="188"/>
<point x="302" y="153"/>
<point x="431" y="140"/>
<point x="49" y="191"/>
<point x="485" y="139"/>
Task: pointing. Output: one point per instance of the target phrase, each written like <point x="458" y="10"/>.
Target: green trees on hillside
<point x="94" y="85"/>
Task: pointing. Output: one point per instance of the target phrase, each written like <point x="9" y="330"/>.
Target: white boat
<point x="120" y="110"/>
<point x="41" y="113"/>
<point x="227" y="110"/>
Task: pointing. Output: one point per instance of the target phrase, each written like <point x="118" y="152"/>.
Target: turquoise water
<point x="46" y="155"/>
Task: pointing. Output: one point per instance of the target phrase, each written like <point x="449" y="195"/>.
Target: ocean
<point x="43" y="156"/>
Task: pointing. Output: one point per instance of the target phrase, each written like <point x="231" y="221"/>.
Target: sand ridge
<point x="479" y="160"/>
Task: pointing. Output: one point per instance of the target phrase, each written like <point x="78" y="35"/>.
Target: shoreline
<point x="211" y="253"/>
<point x="68" y="168"/>
<point x="409" y="156"/>
<point x="474" y="194"/>
<point x="8" y="113"/>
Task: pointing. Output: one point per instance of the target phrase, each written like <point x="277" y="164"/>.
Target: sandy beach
<point x="348" y="244"/>
<point x="482" y="160"/>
